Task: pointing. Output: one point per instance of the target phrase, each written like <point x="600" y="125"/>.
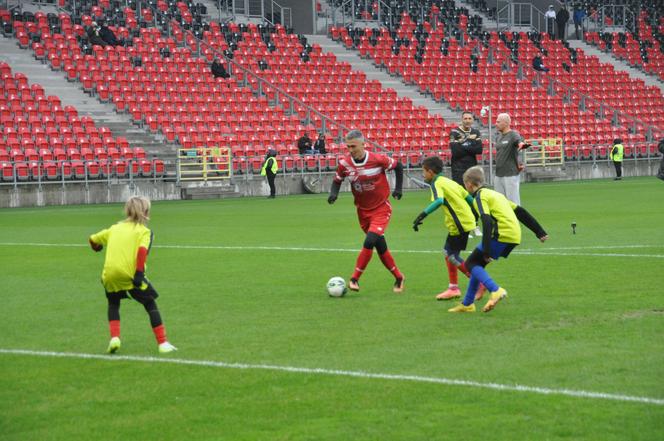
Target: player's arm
<point x="98" y="240"/>
<point x="336" y="184"/>
<point x="398" y="181"/>
<point x="529" y="221"/>
<point x="142" y="257"/>
<point x="487" y="227"/>
<point x="487" y="234"/>
<point x="427" y="211"/>
<point x="475" y="140"/>
<point x="456" y="144"/>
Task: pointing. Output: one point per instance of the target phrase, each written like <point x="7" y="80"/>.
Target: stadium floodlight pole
<point x="483" y="112"/>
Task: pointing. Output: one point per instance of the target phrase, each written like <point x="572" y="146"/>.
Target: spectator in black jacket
<point x="93" y="35"/>
<point x="304" y="144"/>
<point x="465" y="143"/>
<point x="538" y="64"/>
<point x="562" y="17"/>
<point x="319" y="145"/>
<point x="218" y="69"/>
<point x="108" y="36"/>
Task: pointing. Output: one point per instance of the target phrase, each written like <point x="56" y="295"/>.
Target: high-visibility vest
<point x="274" y="168"/>
<point x="618" y="155"/>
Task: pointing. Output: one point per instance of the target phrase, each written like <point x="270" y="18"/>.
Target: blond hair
<point x="474" y="175"/>
<point x="137" y="210"/>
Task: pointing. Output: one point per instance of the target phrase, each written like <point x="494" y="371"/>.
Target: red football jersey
<point x="367" y="178"/>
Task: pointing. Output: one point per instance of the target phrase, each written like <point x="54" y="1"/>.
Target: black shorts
<point x="455" y="244"/>
<point x="139" y="295"/>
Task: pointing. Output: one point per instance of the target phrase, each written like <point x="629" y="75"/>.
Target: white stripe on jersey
<point x="369" y="171"/>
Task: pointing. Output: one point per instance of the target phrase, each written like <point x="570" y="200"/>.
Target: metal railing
<point x="611" y="17"/>
<point x="204" y="164"/>
<point x="522" y="15"/>
<point x="346" y="13"/>
<point x="68" y="172"/>
<point x="284" y="17"/>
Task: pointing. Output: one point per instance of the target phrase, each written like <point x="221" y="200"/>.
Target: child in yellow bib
<point x="127" y="245"/>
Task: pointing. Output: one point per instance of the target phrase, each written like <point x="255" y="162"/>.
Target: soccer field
<point x="574" y="353"/>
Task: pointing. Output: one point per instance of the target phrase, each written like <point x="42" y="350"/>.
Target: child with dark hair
<point x="458" y="218"/>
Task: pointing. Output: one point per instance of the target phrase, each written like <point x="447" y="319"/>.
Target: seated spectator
<point x="319" y="145"/>
<point x="93" y="35"/>
<point x="107" y="35"/>
<point x="304" y="144"/>
<point x="538" y="64"/>
<point x="218" y="69"/>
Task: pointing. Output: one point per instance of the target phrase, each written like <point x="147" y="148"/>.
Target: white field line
<point x="540" y="252"/>
<point x="343" y="373"/>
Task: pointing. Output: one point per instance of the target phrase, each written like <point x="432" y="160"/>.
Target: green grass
<point x="585" y="313"/>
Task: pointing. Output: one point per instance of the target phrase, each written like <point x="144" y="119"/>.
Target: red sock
<point x="389" y="263"/>
<point x="114" y="326"/>
<point x="362" y="262"/>
<point x="464" y="270"/>
<point x="160" y="333"/>
<point x="452" y="272"/>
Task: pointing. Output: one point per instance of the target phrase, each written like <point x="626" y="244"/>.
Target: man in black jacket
<point x="465" y="143"/>
<point x="562" y="17"/>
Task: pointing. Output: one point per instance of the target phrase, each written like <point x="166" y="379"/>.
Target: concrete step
<point x="209" y="190"/>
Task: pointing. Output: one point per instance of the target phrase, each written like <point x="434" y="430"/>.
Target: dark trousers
<point x="561" y="31"/>
<point x="660" y="174"/>
<point x="270" y="182"/>
<point x="618" y="166"/>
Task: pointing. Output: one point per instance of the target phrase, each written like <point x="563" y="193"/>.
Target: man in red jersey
<point x="366" y="172"/>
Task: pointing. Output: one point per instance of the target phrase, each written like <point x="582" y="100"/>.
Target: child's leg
<point x="476" y="264"/>
<point x="114" y="313"/>
<point x="147" y="298"/>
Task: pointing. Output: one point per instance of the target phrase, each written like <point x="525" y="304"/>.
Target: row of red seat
<point x="15" y="171"/>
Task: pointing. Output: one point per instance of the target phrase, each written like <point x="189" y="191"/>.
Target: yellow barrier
<point x="544" y="152"/>
<point x="204" y="164"/>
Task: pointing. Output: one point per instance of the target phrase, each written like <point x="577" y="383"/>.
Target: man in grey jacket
<point x="508" y="144"/>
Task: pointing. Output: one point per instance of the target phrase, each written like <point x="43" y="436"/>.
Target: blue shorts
<point x="499" y="249"/>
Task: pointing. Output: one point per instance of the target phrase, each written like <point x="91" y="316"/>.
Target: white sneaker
<point x="166" y="347"/>
<point x="477" y="232"/>
<point x="114" y="345"/>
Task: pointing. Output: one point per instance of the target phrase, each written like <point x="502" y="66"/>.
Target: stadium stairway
<point x="617" y="64"/>
<point x="71" y="93"/>
<point x="388" y="81"/>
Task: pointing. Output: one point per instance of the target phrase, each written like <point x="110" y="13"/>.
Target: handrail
<point x="515" y="15"/>
<point x="281" y="10"/>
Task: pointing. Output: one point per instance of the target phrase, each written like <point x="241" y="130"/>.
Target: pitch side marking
<point x="540" y="252"/>
<point x="343" y="373"/>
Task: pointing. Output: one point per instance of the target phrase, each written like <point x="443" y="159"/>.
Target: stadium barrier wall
<point x="75" y="193"/>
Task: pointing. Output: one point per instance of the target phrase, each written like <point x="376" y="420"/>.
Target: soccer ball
<point x="336" y="287"/>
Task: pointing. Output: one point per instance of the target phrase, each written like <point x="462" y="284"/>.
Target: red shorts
<point x="375" y="220"/>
